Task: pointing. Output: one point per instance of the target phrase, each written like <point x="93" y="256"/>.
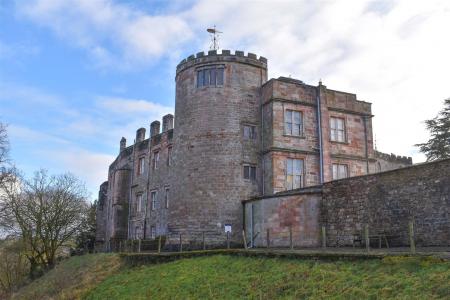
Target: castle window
<point x="250" y="132"/>
<point x="340" y="171"/>
<point x="294" y="173"/>
<point x="155" y="160"/>
<point x="293" y="123"/>
<point x="169" y="156"/>
<point x="153" y="200"/>
<point x="141" y="166"/>
<point x="337" y="129"/>
<point x="153" y="232"/>
<point x="249" y="172"/>
<point x="166" y="198"/>
<point x="212" y="76"/>
<point x="138" y="202"/>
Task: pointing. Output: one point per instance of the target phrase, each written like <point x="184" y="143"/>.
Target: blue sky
<point x="77" y="75"/>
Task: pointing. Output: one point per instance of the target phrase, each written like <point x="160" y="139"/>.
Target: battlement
<point x="394" y="158"/>
<point x="225" y="56"/>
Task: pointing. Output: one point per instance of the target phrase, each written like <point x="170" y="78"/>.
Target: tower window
<point x="337" y="129"/>
<point x="340" y="171"/>
<point x="293" y="124"/>
<point x="212" y="76"/>
<point x="249" y="172"/>
<point x="250" y="132"/>
<point x="294" y="173"/>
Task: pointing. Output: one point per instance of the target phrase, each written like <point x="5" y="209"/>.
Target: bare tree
<point x="4" y="150"/>
<point x="45" y="212"/>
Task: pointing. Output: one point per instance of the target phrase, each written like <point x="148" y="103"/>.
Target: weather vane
<point x="214" y="38"/>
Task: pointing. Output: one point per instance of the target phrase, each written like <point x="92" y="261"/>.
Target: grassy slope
<point x="228" y="277"/>
<point x="72" y="278"/>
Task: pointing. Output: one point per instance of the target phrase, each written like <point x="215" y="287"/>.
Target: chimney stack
<point x="167" y="122"/>
<point x="140" y="135"/>
<point x="154" y="128"/>
<point x="123" y="144"/>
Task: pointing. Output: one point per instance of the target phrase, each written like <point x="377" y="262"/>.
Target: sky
<point x="77" y="75"/>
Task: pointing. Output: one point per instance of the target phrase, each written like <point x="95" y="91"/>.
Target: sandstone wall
<point x="388" y="201"/>
<point x="209" y="152"/>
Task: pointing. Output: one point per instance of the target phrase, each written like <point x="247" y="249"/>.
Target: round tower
<point x="217" y="95"/>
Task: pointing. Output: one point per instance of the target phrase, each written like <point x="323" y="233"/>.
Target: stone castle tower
<point x="215" y="96"/>
<point x="237" y="136"/>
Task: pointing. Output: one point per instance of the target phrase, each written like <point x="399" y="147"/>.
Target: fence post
<point x="203" y="240"/>
<point x="228" y="240"/>
<point x="324" y="237"/>
<point x="412" y="244"/>
<point x="366" y="236"/>
<point x="245" y="239"/>
<point x="290" y="238"/>
<point x="139" y="245"/>
<point x="181" y="244"/>
<point x="159" y="244"/>
<point x="268" y="238"/>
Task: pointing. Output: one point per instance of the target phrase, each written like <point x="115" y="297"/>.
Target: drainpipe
<point x="319" y="132"/>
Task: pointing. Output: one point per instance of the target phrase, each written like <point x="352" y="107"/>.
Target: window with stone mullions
<point x="294" y="173"/>
<point x="293" y="123"/>
<point x="250" y="132"/>
<point x="210" y="77"/>
<point x="249" y="172"/>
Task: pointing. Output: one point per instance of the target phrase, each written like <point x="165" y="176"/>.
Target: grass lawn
<point x="72" y="278"/>
<point x="233" y="277"/>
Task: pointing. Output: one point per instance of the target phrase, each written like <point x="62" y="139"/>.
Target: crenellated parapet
<point x="394" y="158"/>
<point x="225" y="56"/>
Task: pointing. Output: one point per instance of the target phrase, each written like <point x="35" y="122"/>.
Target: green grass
<point x="232" y="277"/>
<point x="72" y="278"/>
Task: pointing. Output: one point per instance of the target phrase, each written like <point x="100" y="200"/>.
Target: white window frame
<point x="337" y="130"/>
<point x="293" y="177"/>
<point x="153" y="199"/>
<point x="293" y="126"/>
<point x="339" y="171"/>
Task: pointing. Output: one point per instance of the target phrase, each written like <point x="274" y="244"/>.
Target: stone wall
<point x="388" y="201"/>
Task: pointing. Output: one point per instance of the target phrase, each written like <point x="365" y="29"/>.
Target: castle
<point x="237" y="136"/>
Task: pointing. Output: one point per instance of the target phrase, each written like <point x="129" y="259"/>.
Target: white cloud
<point x="80" y="139"/>
<point x="392" y="53"/>
<point x="113" y="34"/>
<point x="133" y="106"/>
